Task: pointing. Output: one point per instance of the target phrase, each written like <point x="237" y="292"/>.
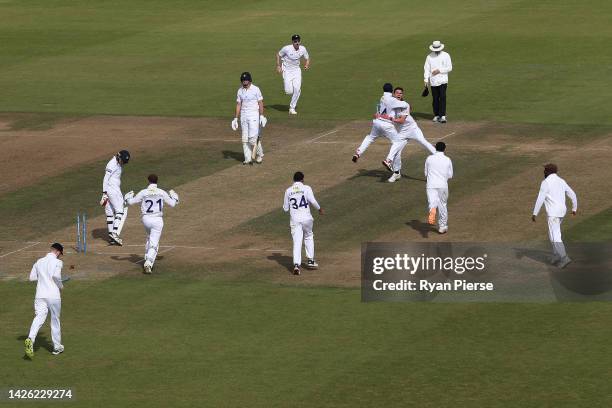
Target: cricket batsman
<point x="288" y="64"/>
<point x="298" y="199"/>
<point x="250" y="110"/>
<point x="112" y="199"/>
<point x="152" y="201"/>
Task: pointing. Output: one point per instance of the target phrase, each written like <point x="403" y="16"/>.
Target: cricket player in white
<point x="298" y="199"/>
<point x="152" y="199"/>
<point x="250" y="110"/>
<point x="112" y="199"/>
<point x="288" y="64"/>
<point x="47" y="273"/>
<point x="407" y="129"/>
<point x="552" y="194"/>
<point x="382" y="125"/>
<point x="438" y="169"/>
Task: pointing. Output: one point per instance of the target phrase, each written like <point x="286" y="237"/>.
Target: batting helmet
<point x="246" y="76"/>
<point x="295" y="37"/>
<point x="124" y="156"/>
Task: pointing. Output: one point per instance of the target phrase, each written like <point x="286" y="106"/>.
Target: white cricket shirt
<point x="152" y="199"/>
<point x="408" y="124"/>
<point x="441" y="62"/>
<point x="47" y="271"/>
<point x="298" y="199"/>
<point x="290" y="57"/>
<point x="438" y="169"/>
<point x="552" y="193"/>
<point x="249" y="98"/>
<point x="389" y="105"/>
<point x="112" y="176"/>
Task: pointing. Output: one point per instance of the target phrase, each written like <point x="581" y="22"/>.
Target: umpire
<point x="437" y="66"/>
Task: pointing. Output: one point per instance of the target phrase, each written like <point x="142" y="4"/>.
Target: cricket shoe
<point x="431" y="219"/>
<point x="443" y="119"/>
<point x="244" y="163"/>
<point x="564" y="262"/>
<point x="147" y="267"/>
<point x="29" y="347"/>
<point x="388" y="165"/>
<point x="115" y="239"/>
<point x="296" y="269"/>
<point x="443" y="230"/>
<point x="58" y="350"/>
<point x="259" y="160"/>
<point x="312" y="264"/>
<point x="292" y="111"/>
<point x="394" y="177"/>
<point x="436" y="119"/>
<point x="356" y="157"/>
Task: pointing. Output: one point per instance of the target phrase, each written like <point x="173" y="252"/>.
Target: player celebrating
<point x="250" y="109"/>
<point x="153" y="199"/>
<point x="382" y="124"/>
<point x="552" y="193"/>
<point x="407" y="130"/>
<point x="438" y="169"/>
<point x="297" y="200"/>
<point x="47" y="272"/>
<point x="288" y="64"/>
<point x="112" y="199"/>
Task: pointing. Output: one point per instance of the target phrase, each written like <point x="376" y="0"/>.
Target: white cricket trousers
<point x="41" y="309"/>
<point x="438" y="198"/>
<point x="380" y="128"/>
<point x="554" y="234"/>
<point x="250" y="131"/>
<point x="114" y="210"/>
<point x="153" y="226"/>
<point x="395" y="152"/>
<point x="293" y="85"/>
<point x="302" y="230"/>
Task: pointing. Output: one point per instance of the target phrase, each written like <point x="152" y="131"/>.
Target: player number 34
<point x="40" y="394"/>
<point x="294" y="203"/>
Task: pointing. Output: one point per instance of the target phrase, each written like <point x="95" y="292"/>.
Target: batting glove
<point x="104" y="199"/>
<point x="235" y="124"/>
<point x="263" y="121"/>
<point x="173" y="195"/>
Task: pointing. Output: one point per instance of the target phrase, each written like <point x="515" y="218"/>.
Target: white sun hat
<point x="436" y="46"/>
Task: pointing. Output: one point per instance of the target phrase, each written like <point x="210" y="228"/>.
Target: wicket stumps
<point x="81" y="232"/>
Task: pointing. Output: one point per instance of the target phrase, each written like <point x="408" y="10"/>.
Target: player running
<point x="153" y="199"/>
<point x="298" y="199"/>
<point x="250" y="110"/>
<point x="382" y="125"/>
<point x="438" y="170"/>
<point x="288" y="64"/>
<point x="112" y="199"/>
<point x="407" y="129"/>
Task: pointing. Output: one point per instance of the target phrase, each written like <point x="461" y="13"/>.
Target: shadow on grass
<point x="280" y="108"/>
<point x="228" y="154"/>
<point x="382" y="175"/>
<point x="422" y="115"/>
<point x="282" y="260"/>
<point x="543" y="257"/>
<point x="100" y="233"/>
<point x="41" y="342"/>
<point x="422" y="228"/>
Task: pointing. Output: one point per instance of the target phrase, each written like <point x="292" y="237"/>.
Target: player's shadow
<point x="543" y="257"/>
<point x="41" y="342"/>
<point x="382" y="175"/>
<point x="422" y="115"/>
<point x="100" y="233"/>
<point x="280" y="108"/>
<point x="283" y="260"/>
<point x="133" y="258"/>
<point x="422" y="228"/>
<point x="229" y="154"/>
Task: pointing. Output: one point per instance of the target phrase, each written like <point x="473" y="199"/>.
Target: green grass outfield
<point x="168" y="341"/>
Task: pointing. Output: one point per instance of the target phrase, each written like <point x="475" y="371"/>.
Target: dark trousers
<point x="439" y="99"/>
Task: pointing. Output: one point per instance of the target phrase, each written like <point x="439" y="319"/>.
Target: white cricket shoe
<point x="564" y="262"/>
<point x="436" y="119"/>
<point x="394" y="177"/>
<point x="443" y="230"/>
<point x="292" y="111"/>
<point x="147" y="267"/>
<point x="296" y="269"/>
<point x="312" y="264"/>
<point x="443" y="119"/>
<point x="259" y="159"/>
<point x="58" y="350"/>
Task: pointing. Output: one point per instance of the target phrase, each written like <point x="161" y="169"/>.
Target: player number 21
<point x="150" y="203"/>
<point x="294" y="203"/>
